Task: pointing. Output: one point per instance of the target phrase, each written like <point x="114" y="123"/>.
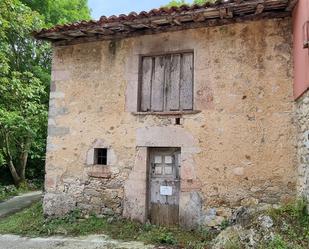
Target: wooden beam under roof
<point x="225" y="13"/>
<point x="198" y="17"/>
<point x="100" y="30"/>
<point x="291" y="5"/>
<point x="169" y="28"/>
<point x="176" y="21"/>
<point x="259" y="8"/>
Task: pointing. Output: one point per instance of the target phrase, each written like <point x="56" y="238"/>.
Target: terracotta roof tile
<point x="164" y="16"/>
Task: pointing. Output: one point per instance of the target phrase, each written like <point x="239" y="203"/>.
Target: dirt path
<point x="18" y="203"/>
<point x="89" y="242"/>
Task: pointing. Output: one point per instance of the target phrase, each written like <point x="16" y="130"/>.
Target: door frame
<point x="148" y="177"/>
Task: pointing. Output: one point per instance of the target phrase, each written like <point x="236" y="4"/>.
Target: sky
<point x="116" y="7"/>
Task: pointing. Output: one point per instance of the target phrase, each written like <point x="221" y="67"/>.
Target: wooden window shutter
<point x="145" y="93"/>
<point x="157" y="90"/>
<point x="173" y="83"/>
<point x="167" y="83"/>
<point x="186" y="82"/>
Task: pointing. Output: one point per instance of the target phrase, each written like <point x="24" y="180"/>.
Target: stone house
<point x="177" y="116"/>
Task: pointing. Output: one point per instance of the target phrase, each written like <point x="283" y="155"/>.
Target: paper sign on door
<point x="166" y="190"/>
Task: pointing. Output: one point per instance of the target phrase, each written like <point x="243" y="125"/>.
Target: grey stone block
<point x="57" y="205"/>
<point x="54" y="131"/>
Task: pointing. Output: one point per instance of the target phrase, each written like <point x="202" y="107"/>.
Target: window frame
<point x="96" y="156"/>
<point x="140" y="82"/>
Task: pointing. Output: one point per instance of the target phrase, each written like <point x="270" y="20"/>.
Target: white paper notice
<point x="166" y="190"/>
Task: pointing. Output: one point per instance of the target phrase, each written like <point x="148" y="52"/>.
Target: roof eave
<point x="143" y="24"/>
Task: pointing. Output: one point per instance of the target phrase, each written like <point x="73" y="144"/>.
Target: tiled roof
<point x="167" y="19"/>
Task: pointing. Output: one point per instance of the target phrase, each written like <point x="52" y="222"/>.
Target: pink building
<point x="301" y="52"/>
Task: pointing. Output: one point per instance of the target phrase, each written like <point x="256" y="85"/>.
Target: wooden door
<point x="164" y="186"/>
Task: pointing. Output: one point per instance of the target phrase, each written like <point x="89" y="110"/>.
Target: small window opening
<point x="100" y="156"/>
<point x="177" y="121"/>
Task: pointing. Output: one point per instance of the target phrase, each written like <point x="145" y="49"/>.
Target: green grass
<point x="31" y="222"/>
<point x="290" y="229"/>
<point x="291" y="225"/>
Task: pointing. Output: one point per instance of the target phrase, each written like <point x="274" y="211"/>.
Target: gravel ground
<point x="89" y="242"/>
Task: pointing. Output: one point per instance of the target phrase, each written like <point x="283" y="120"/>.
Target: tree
<point x="23" y="95"/>
<point x="178" y="3"/>
<point x="200" y="2"/>
<point x="60" y="11"/>
<point x="22" y="115"/>
<point x="25" y="65"/>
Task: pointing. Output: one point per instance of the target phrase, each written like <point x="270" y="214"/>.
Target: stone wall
<point x="303" y="145"/>
<point x="238" y="150"/>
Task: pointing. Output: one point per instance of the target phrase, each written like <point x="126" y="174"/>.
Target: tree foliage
<point x="23" y="93"/>
<point x="60" y="11"/>
<point x="25" y="78"/>
<point x="200" y="2"/>
<point x="178" y="3"/>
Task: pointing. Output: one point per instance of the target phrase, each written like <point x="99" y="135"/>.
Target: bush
<point x="11" y="190"/>
<point x="166" y="238"/>
<point x="7" y="191"/>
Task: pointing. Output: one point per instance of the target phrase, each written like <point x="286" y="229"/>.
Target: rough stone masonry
<point x="303" y="144"/>
<point x="238" y="150"/>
